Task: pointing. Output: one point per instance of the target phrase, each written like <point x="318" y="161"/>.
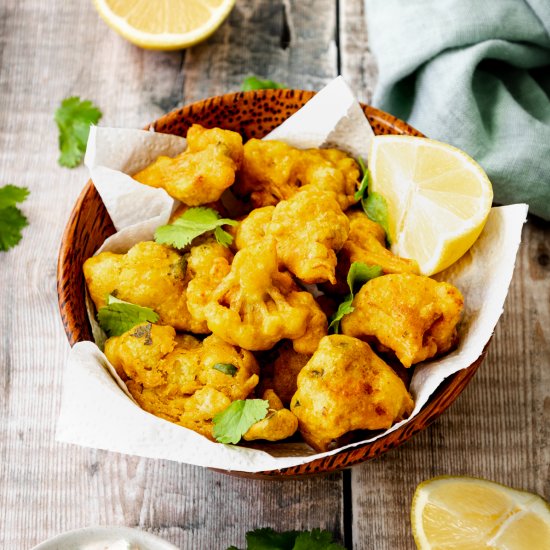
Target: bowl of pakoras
<point x="224" y="327"/>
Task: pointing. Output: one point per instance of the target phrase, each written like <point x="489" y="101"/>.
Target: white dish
<point x="105" y="538"/>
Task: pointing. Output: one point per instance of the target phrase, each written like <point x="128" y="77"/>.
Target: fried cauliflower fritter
<point x="367" y="243"/>
<point x="345" y="386"/>
<point x="150" y="275"/>
<point x="176" y="378"/>
<point x="309" y="228"/>
<point x="280" y="371"/>
<point x="412" y="315"/>
<point x="253" y="228"/>
<point x="279" y="423"/>
<point x="256" y="305"/>
<point x="201" y="173"/>
<point x="273" y="171"/>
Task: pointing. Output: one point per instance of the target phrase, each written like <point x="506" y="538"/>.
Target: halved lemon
<point x="438" y="198"/>
<point x="464" y="513"/>
<point x="164" y="24"/>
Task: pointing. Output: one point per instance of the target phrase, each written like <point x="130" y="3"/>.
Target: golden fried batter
<point x="367" y="243"/>
<point x="256" y="305"/>
<point x="345" y="386"/>
<point x="279" y="423"/>
<point x="176" y="379"/>
<point x="280" y="371"/>
<point x="412" y="315"/>
<point x="203" y="171"/>
<point x="253" y="228"/>
<point x="273" y="171"/>
<point x="150" y="275"/>
<point x="309" y="228"/>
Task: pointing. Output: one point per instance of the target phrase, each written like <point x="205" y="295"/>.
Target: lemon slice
<point x="464" y="513"/>
<point x="438" y="198"/>
<point x="164" y="24"/>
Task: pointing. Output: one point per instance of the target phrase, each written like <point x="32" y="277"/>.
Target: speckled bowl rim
<point x="441" y="399"/>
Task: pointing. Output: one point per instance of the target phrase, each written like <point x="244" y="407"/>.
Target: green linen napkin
<point x="476" y="74"/>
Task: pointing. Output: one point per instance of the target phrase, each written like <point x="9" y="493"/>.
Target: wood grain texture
<point x="499" y="428"/>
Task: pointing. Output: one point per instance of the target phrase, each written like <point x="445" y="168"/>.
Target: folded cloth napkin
<point x="476" y="74"/>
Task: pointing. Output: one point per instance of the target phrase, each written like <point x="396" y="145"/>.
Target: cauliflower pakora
<point x="256" y="305"/>
<point x="273" y="171"/>
<point x="366" y="243"/>
<point x="177" y="378"/>
<point x="280" y="370"/>
<point x="279" y="423"/>
<point x="201" y="173"/>
<point x="412" y="315"/>
<point x="345" y="386"/>
<point x="309" y="229"/>
<point x="253" y="228"/>
<point x="150" y="275"/>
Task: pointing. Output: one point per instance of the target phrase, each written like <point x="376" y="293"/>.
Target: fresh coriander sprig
<point x="359" y="194"/>
<point x="254" y="83"/>
<point x="73" y="119"/>
<point x="359" y="273"/>
<point x="316" y="539"/>
<point x="232" y="423"/>
<point x="12" y="220"/>
<point x="119" y="316"/>
<point x="191" y="224"/>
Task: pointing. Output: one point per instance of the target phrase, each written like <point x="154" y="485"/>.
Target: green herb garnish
<point x="268" y="539"/>
<point x="359" y="273"/>
<point x="364" y="181"/>
<point x="118" y="316"/>
<point x="376" y="208"/>
<point x="191" y="224"/>
<point x="254" y="83"/>
<point x="226" y="368"/>
<point x="12" y="220"/>
<point x="74" y="118"/>
<point x="232" y="423"/>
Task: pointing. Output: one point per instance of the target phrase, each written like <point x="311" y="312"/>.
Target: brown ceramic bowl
<point x="252" y="114"/>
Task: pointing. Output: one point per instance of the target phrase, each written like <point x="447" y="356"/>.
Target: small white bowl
<point x="93" y="538"/>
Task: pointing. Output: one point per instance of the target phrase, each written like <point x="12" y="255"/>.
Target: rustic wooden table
<point x="50" y="49"/>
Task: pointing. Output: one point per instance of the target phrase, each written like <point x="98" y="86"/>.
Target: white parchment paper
<point x="96" y="412"/>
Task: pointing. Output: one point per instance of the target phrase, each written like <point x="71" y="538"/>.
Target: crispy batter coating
<point x="256" y="305"/>
<point x="273" y="171"/>
<point x="412" y="315"/>
<point x="150" y="275"/>
<point x="280" y="370"/>
<point x="203" y="171"/>
<point x="279" y="423"/>
<point x="309" y="228"/>
<point x="207" y="264"/>
<point x="367" y="243"/>
<point x="345" y="386"/>
<point x="253" y="228"/>
<point x="175" y="378"/>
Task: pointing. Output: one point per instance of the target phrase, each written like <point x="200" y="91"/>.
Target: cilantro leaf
<point x="191" y="224"/>
<point x="12" y="220"/>
<point x="359" y="273"/>
<point x="316" y="540"/>
<point x="118" y="316"/>
<point x="232" y="423"/>
<point x="10" y="195"/>
<point x="254" y="83"/>
<point x="73" y="121"/>
<point x="360" y="193"/>
<point x="226" y="368"/>
<point x="376" y="208"/>
<point x="269" y="539"/>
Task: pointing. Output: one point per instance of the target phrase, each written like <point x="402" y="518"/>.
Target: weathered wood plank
<point x="498" y="429"/>
<point x="51" y="50"/>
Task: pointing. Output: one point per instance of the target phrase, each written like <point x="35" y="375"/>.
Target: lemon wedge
<point x="438" y="198"/>
<point x="164" y="24"/>
<point x="464" y="513"/>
